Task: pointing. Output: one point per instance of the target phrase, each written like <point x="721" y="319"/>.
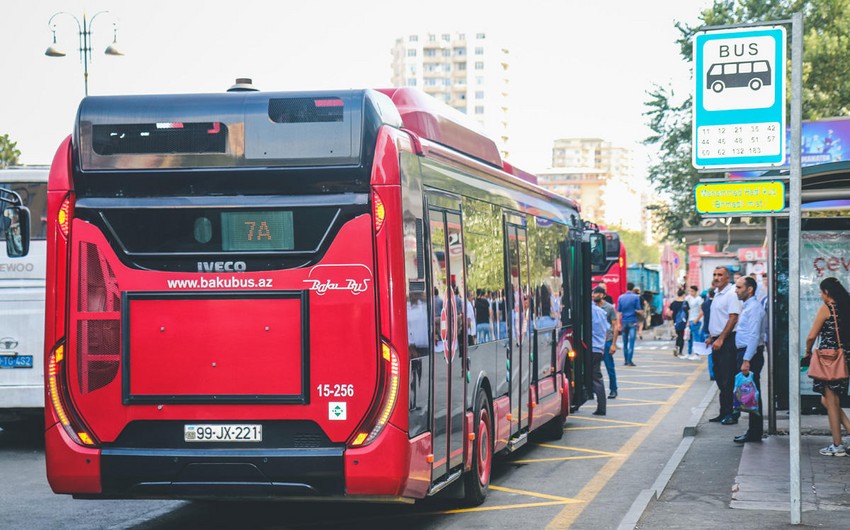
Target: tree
<point x="9" y="153"/>
<point x="826" y="92"/>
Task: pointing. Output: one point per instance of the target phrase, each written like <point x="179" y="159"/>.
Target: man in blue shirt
<point x="749" y="339"/>
<point x="628" y="305"/>
<point x="599" y="328"/>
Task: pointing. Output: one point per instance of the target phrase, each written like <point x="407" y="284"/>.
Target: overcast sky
<point x="578" y="68"/>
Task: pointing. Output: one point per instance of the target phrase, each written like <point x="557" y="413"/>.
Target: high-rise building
<point x="600" y="176"/>
<point x="468" y="71"/>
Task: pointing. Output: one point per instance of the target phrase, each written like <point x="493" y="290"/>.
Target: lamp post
<point x="84" y="30"/>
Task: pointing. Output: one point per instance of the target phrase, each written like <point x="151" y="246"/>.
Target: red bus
<point x="260" y="294"/>
<point x="613" y="273"/>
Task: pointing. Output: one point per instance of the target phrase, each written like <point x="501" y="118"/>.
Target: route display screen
<point x="264" y="230"/>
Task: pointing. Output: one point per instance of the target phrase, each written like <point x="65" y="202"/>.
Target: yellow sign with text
<point x="740" y="197"/>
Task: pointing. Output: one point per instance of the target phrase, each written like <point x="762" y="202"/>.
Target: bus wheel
<point x="718" y="86"/>
<point x="554" y="429"/>
<point x="755" y="84"/>
<point x="477" y="480"/>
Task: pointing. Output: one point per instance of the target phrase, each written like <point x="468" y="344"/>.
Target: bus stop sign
<point x="739" y="98"/>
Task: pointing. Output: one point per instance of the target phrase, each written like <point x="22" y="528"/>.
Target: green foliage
<point x="636" y="250"/>
<point x="826" y="92"/>
<point x="9" y="153"/>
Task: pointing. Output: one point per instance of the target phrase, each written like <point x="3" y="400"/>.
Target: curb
<point x="632" y="517"/>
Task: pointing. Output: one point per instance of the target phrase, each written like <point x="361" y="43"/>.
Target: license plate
<point x="15" y="361"/>
<point x="223" y="433"/>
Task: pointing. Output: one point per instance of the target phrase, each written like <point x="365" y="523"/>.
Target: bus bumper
<point x="234" y="473"/>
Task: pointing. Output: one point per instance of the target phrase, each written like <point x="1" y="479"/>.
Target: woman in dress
<point x="832" y="322"/>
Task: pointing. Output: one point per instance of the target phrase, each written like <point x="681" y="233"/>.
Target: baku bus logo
<point x="353" y="278"/>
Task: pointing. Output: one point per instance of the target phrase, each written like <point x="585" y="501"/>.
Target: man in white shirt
<point x="694" y="306"/>
<point x="721" y="330"/>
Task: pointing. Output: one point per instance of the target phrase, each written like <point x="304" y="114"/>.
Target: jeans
<point x="629" y="334"/>
<point x="608" y="359"/>
<point x="598" y="383"/>
<point x="696" y="334"/>
<point x="483" y="332"/>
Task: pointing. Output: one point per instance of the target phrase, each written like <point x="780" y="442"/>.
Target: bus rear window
<point x="214" y="230"/>
<point x="159" y="138"/>
<point x="34" y="195"/>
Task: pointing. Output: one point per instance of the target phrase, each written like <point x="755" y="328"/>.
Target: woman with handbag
<point x="828" y="363"/>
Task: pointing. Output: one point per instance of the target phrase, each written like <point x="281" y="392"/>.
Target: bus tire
<point x="718" y="86"/>
<point x="554" y="428"/>
<point x="477" y="480"/>
<point x="755" y="84"/>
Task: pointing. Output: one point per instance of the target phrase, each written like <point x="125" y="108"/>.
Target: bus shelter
<point x="824" y="252"/>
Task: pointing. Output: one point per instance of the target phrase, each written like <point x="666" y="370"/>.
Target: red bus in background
<point x="614" y="272"/>
<point x="258" y="294"/>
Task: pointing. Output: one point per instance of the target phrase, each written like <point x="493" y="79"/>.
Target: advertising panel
<point x="822" y="254"/>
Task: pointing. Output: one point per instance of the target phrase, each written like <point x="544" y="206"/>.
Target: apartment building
<point x="467" y="71"/>
<point x="600" y="175"/>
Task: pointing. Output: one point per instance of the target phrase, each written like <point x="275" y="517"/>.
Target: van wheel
<point x="477" y="480"/>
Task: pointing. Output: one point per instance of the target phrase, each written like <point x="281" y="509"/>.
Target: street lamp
<point x="84" y="29"/>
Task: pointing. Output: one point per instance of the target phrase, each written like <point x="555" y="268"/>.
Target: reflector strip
<point x="172" y="125"/>
<point x="335" y="102"/>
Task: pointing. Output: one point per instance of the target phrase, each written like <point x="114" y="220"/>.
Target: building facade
<point x="467" y="71"/>
<point x="600" y="175"/>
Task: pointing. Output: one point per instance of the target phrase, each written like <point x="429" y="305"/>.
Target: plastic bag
<point x="746" y="394"/>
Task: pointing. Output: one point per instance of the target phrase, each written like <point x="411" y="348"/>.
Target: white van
<point x="22" y="301"/>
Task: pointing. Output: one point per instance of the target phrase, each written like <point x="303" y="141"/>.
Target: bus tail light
<point x="378" y="211"/>
<point x="57" y="392"/>
<point x="98" y="344"/>
<point x="379" y="416"/>
<point x="64" y="217"/>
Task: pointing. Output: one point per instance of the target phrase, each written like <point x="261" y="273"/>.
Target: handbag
<point x="829" y="364"/>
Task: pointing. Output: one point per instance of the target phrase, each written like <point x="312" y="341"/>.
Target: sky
<point x="578" y="68"/>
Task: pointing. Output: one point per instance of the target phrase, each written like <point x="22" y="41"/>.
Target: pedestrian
<point x="483" y="318"/>
<point x="749" y="340"/>
<point x="599" y="328"/>
<point x="694" y="302"/>
<point x="705" y="315"/>
<point x="831" y="322"/>
<point x="680" y="310"/>
<point x="721" y="330"/>
<point x="642" y="314"/>
<point x="610" y="339"/>
<point x="628" y="305"/>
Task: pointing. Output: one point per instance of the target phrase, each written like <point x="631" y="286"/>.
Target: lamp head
<point x="53" y="50"/>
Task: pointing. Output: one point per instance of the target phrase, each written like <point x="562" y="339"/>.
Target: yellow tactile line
<point x="569" y="515"/>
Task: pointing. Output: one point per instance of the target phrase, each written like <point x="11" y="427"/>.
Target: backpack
<point x="681" y="318"/>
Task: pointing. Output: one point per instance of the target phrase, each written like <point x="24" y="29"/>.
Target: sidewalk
<point x="721" y="484"/>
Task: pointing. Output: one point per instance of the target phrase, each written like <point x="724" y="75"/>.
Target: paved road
<point x="589" y="479"/>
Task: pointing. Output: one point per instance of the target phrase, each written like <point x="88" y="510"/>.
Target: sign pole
<point x="794" y="227"/>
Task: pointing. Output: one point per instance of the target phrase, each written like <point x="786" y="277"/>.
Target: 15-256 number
<point x="338" y="390"/>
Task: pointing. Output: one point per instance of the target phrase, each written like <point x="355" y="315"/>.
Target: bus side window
<point x="730" y="68"/>
<point x="745" y="68"/>
<point x="760" y="66"/>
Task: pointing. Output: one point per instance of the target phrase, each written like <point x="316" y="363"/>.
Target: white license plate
<point x="223" y="433"/>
